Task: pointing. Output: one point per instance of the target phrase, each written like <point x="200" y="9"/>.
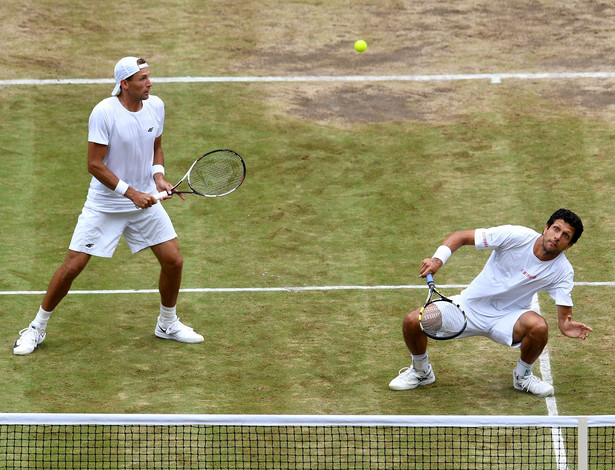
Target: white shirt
<point x="513" y="274"/>
<point x="129" y="137"/>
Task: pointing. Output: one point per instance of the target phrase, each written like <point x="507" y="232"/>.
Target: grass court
<point x="348" y="184"/>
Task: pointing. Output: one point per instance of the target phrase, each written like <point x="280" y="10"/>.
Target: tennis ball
<point x="360" y="45"/>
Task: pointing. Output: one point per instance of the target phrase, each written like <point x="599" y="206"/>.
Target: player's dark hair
<point x="571" y="219"/>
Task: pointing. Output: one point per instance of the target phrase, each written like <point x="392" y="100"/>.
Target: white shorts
<point x="497" y="328"/>
<point x="98" y="233"/>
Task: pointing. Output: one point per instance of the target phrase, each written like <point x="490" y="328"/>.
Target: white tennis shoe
<point x="178" y="332"/>
<point x="532" y="384"/>
<point x="29" y="339"/>
<point x="410" y="378"/>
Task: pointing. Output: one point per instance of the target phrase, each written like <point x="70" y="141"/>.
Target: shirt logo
<point x="528" y="275"/>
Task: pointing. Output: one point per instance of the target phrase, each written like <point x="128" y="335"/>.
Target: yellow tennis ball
<point x="360" y="45"/>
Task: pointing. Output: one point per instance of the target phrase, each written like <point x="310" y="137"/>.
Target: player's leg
<point x="152" y="228"/>
<point x="415" y="339"/>
<point x="62" y="279"/>
<point x="420" y="372"/>
<point x="531" y="332"/>
<point x="171" y="265"/>
<point x="96" y="234"/>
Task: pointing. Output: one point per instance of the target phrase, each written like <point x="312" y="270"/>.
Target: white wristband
<point x="443" y="253"/>
<point x="157" y="169"/>
<point x="121" y="188"/>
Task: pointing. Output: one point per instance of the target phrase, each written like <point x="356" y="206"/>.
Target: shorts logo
<point x="89" y="245"/>
<point x="150" y="129"/>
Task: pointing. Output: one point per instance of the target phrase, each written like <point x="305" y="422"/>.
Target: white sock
<point x="523" y="369"/>
<point x="167" y="315"/>
<point x="420" y="362"/>
<point x="42" y="317"/>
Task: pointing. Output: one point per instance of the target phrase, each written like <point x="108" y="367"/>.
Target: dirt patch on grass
<point x="356" y="103"/>
<point x="427" y="38"/>
<point x="313" y="37"/>
<point x="341" y="103"/>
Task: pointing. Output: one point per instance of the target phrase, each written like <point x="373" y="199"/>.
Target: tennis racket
<point x="441" y="318"/>
<point x="214" y="174"/>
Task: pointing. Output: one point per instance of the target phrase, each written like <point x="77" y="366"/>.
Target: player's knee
<point x="179" y="262"/>
<point x="174" y="263"/>
<point x="72" y="267"/>
<point x="69" y="271"/>
<point x="539" y="328"/>
<point x="411" y="322"/>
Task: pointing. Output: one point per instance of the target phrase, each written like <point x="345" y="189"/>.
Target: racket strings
<point x="442" y="319"/>
<point x="216" y="174"/>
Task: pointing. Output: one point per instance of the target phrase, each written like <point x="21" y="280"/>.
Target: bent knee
<point x="532" y="324"/>
<point x="536" y="321"/>
<point x="540" y="327"/>
<point x="411" y="321"/>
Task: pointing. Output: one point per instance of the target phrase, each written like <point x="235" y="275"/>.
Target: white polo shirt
<point x="129" y="137"/>
<point x="513" y="274"/>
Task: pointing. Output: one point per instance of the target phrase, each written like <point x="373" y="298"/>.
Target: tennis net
<point x="107" y="441"/>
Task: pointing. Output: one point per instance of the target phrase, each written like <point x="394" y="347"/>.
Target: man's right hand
<point x="139" y="199"/>
<point x="430" y="266"/>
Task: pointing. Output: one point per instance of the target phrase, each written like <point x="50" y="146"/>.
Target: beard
<point x="545" y="247"/>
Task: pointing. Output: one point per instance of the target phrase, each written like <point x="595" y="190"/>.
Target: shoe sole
<point x="428" y="381"/>
<point x="163" y="335"/>
<point x="541" y="395"/>
<point x="23" y="353"/>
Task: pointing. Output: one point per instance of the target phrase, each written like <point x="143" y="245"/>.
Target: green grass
<point x="321" y="206"/>
<point x="333" y="200"/>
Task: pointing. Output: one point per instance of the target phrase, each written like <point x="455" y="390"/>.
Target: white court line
<point x="545" y="365"/>
<point x="230" y="289"/>
<point x="493" y="77"/>
<point x="545" y="370"/>
<point x="269" y="289"/>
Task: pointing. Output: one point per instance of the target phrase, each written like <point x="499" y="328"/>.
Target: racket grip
<point x="161" y="194"/>
<point x="429" y="279"/>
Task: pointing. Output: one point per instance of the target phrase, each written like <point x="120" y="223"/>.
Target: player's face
<point x="139" y="85"/>
<point x="557" y="237"/>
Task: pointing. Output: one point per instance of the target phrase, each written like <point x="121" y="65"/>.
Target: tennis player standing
<point x="126" y="161"/>
<point x="498" y="301"/>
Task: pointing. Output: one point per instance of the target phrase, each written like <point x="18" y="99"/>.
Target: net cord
<point x="303" y="420"/>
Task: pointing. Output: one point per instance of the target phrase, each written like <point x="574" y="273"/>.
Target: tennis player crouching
<point x="498" y="301"/>
<point x="126" y="161"/>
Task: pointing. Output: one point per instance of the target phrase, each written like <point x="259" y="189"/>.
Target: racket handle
<point x="429" y="279"/>
<point x="161" y="194"/>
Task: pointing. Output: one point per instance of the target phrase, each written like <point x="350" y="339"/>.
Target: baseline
<point x="492" y="77"/>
